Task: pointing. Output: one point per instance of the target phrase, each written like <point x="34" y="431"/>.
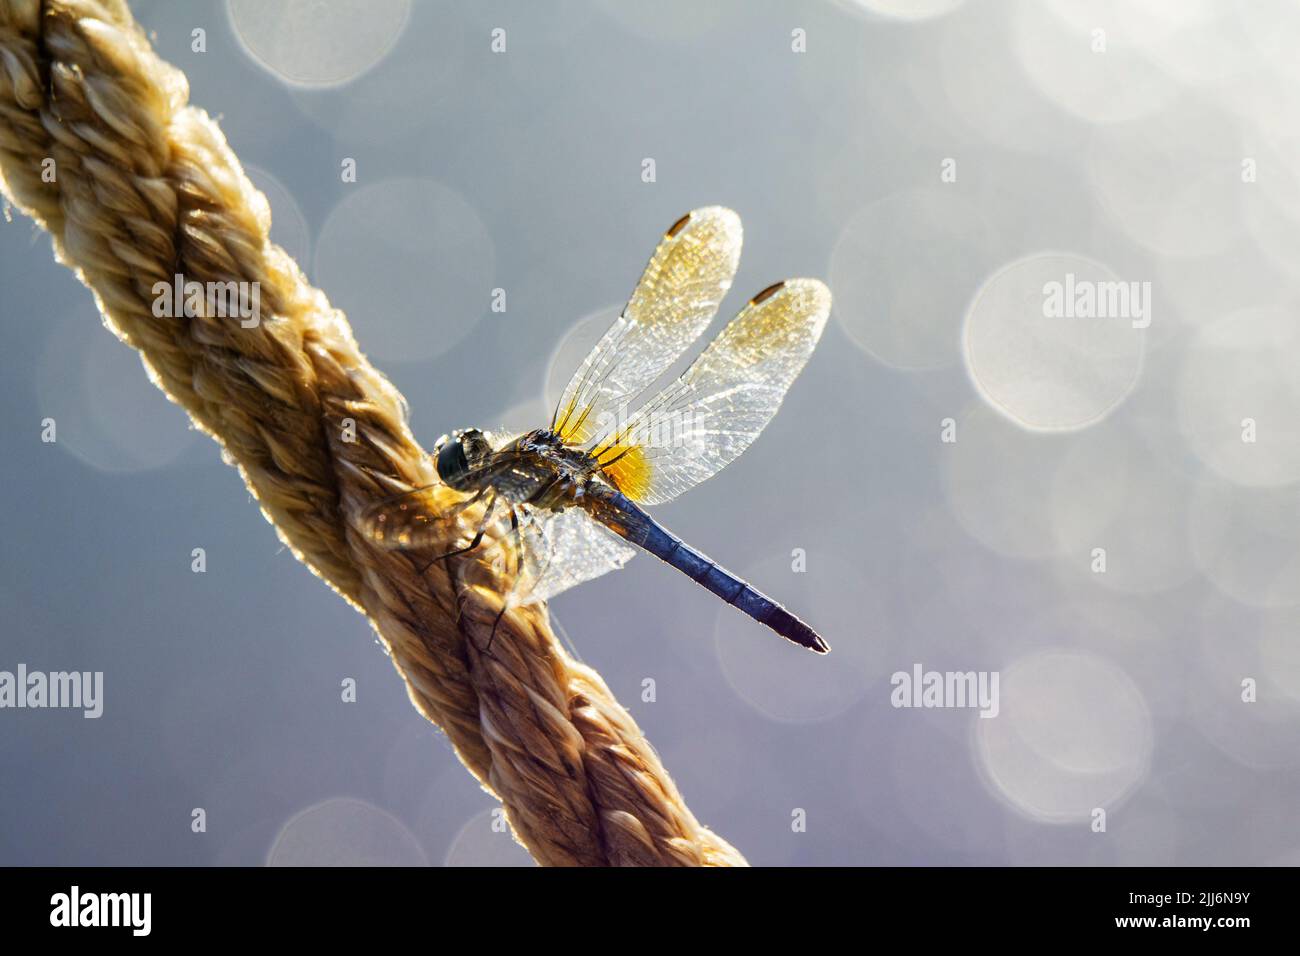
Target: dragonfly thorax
<point x="567" y="460"/>
<point x="547" y="472"/>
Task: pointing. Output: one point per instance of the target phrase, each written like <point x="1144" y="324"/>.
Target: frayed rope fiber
<point x="145" y="189"/>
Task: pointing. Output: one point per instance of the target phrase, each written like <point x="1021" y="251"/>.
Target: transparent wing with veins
<point x="673" y="303"/>
<point x="704" y="420"/>
<point x="414" y="519"/>
<point x="561" y="550"/>
<point x="542" y="553"/>
<point x="432" y="516"/>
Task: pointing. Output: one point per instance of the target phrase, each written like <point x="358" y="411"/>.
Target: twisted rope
<point x="147" y="188"/>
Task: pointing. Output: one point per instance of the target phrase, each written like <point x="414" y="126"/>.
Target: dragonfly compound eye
<point x="452" y="463"/>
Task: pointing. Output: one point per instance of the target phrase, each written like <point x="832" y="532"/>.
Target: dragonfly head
<point x="458" y="455"/>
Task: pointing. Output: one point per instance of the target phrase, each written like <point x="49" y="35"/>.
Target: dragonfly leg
<point x="492" y="636"/>
<point x="475" y="542"/>
<point x="519" y="570"/>
<point x="519" y="542"/>
<point x="460" y="506"/>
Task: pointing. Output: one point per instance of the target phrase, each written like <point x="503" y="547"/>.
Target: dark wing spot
<point x="767" y="293"/>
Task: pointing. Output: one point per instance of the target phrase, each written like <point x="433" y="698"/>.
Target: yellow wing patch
<point x="628" y="469"/>
<point x="676" y="297"/>
<point x="571" y="424"/>
<point x="705" y="419"/>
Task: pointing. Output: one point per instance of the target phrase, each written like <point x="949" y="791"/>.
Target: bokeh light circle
<point x="314" y="44"/>
<point x="289" y="229"/>
<point x="1077" y="58"/>
<point x="1073" y="734"/>
<point x="106" y="412"/>
<point x="1047" y="369"/>
<point x="888" y="297"/>
<point x="345" y="832"/>
<point x="904" y="10"/>
<point x="1008" y="509"/>
<point x="411" y="263"/>
<point x="574" y="346"/>
<point x="1247" y="542"/>
<point x="1112" y="493"/>
<point x="1279" y="652"/>
<point x="1172" y="182"/>
<point x="1239" y="396"/>
<point x="485" y="840"/>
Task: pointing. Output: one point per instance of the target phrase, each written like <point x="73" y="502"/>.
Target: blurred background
<point x="939" y="163"/>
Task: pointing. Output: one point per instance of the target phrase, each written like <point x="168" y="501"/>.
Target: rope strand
<point x="146" y="188"/>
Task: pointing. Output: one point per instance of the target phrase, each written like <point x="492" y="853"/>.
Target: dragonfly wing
<point x="676" y="298"/>
<point x="561" y="550"/>
<point x="705" y="419"/>
<point x="412" y="519"/>
<point x="433" y="515"/>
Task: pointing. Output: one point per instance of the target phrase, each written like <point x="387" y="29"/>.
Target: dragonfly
<point x="566" y="503"/>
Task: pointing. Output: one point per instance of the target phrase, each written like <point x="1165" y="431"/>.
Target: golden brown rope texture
<point x="147" y="188"/>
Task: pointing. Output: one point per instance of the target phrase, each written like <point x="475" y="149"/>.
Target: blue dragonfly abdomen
<point x="622" y="516"/>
